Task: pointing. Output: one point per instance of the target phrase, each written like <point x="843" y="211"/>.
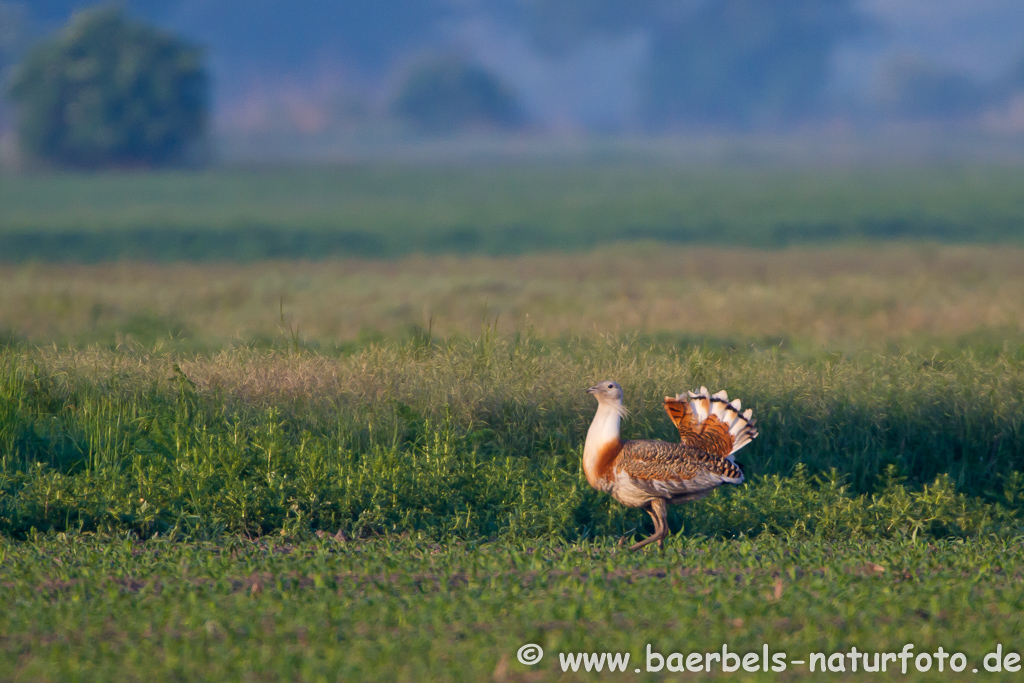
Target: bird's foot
<point x="656" y="537"/>
<point x="641" y="544"/>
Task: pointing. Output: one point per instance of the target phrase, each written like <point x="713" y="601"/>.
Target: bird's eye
<point x="611" y="386"/>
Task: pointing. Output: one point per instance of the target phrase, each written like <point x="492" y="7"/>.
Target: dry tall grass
<point x="828" y="296"/>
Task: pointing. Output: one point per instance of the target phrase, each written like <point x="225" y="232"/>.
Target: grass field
<point x="391" y="211"/>
<point x="161" y="511"/>
<point x="356" y="468"/>
<point x="410" y="610"/>
<point x="482" y="439"/>
<point x="843" y="298"/>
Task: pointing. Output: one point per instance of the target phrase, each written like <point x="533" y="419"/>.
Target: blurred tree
<point x="745" y="62"/>
<point x="110" y="92"/>
<point x="444" y="95"/>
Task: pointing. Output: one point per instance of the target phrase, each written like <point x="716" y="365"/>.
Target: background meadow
<point x="231" y="451"/>
<point x="389" y="210"/>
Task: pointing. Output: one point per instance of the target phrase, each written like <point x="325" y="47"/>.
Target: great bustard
<point x="654" y="474"/>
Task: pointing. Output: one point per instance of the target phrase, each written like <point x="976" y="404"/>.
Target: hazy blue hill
<point x="729" y="64"/>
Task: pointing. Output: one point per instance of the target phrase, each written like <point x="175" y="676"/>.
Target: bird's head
<point x="607" y="392"/>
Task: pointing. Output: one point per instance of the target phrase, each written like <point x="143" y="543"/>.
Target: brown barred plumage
<point x="651" y="474"/>
<point x="662" y="461"/>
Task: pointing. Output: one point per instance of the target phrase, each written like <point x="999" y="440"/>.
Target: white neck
<point x="603" y="430"/>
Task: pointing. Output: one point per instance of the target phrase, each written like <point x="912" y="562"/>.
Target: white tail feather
<point x="741" y="424"/>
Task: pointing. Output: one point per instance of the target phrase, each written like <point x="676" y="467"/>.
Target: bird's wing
<point x="670" y="469"/>
<point x="711" y="423"/>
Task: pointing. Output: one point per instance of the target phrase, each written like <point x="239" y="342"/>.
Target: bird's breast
<point x="599" y="461"/>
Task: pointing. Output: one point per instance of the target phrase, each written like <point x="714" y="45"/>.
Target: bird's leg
<point x="655" y="518"/>
<point x="658" y="512"/>
<point x="660" y="507"/>
<point x="622" y="539"/>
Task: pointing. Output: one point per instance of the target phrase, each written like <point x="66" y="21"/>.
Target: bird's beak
<point x="592" y="390"/>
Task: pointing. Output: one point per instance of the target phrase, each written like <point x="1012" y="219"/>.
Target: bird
<point x="653" y="474"/>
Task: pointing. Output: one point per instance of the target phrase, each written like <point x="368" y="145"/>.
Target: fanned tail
<point x="711" y="422"/>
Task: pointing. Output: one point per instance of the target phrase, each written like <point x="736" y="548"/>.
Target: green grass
<point x="407" y="511"/>
<point x="391" y="211"/>
<point x="482" y="439"/>
<point x="325" y="471"/>
<point x="78" y="608"/>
